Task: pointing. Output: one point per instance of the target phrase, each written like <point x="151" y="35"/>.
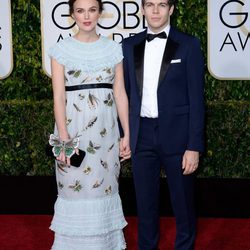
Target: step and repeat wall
<point x="6" y="58"/>
<point x="228" y="32"/>
<point x="120" y="19"/>
<point x="229" y="39"/>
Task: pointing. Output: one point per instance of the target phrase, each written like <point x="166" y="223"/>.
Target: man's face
<point x="157" y="14"/>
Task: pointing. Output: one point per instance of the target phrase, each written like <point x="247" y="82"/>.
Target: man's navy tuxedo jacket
<point x="180" y="91"/>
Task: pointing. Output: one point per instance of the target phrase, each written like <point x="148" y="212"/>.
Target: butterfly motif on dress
<point x="60" y="185"/>
<point x="81" y="96"/>
<point x="68" y="121"/>
<point x="90" y="123"/>
<point x="108" y="190"/>
<point x="109" y="101"/>
<point x="87" y="170"/>
<point x="103" y="132"/>
<point x="75" y="73"/>
<point x="98" y="183"/>
<point x="77" y="108"/>
<point x="76" y="186"/>
<point x="93" y="147"/>
<point x="104" y="164"/>
<point x="108" y="70"/>
<point x="67" y="146"/>
<point x="92" y="101"/>
<point x="110" y="148"/>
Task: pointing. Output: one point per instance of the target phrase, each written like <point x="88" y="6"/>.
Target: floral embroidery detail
<point x="93" y="147"/>
<point x="87" y="170"/>
<point x="98" y="184"/>
<point x="92" y="101"/>
<point x="103" y="132"/>
<point x="108" y="190"/>
<point x="109" y="101"/>
<point x="76" y="186"/>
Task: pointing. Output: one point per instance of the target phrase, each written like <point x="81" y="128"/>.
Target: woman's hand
<point x="62" y="157"/>
<point x="125" y="152"/>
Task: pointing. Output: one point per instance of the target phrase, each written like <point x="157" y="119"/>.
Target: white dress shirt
<point x="153" y="55"/>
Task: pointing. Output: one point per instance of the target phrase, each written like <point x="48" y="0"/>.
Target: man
<point x="164" y="81"/>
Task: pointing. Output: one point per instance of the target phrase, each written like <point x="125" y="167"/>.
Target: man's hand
<point x="190" y="161"/>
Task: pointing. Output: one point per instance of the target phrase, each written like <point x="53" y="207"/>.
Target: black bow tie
<point x="151" y="37"/>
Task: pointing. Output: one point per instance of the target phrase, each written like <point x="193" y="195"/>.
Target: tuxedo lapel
<point x="169" y="52"/>
<point x="139" y="63"/>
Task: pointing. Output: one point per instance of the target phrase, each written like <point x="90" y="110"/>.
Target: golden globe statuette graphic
<point x="229" y="39"/>
<point x="6" y="54"/>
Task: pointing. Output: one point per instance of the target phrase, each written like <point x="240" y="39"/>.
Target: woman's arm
<point x="59" y="98"/>
<point x="121" y="101"/>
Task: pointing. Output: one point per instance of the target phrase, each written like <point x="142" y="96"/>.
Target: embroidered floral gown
<point x="88" y="213"/>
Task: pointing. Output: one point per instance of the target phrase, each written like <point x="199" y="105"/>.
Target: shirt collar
<point x="166" y="29"/>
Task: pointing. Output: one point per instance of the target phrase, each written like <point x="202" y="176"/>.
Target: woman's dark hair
<point x="170" y="2"/>
<point x="71" y="6"/>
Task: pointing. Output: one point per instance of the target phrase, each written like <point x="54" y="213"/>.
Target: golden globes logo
<point x="241" y="19"/>
<point x="119" y="19"/>
<point x="228" y="39"/>
<point x="120" y="16"/>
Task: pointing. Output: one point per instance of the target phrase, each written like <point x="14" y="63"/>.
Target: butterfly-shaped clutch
<point x="56" y="146"/>
<point x="67" y="146"/>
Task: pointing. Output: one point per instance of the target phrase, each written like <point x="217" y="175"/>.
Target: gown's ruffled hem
<point x="88" y="217"/>
<point x="111" y="241"/>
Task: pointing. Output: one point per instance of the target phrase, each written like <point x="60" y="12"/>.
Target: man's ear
<point x="142" y="10"/>
<point x="171" y="11"/>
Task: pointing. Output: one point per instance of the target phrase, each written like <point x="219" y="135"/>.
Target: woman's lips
<point x="87" y="23"/>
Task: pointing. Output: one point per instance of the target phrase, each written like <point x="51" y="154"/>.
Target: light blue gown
<point x="88" y="212"/>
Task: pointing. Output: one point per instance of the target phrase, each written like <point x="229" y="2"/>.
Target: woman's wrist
<point x="64" y="137"/>
<point x="126" y="134"/>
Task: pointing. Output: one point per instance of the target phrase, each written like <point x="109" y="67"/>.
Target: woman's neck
<point x="86" y="37"/>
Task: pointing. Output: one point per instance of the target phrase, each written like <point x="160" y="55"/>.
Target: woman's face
<point x="86" y="14"/>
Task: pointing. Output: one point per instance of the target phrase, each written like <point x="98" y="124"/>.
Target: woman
<point x="88" y="213"/>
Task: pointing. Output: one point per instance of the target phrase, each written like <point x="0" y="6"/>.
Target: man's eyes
<point x="160" y="5"/>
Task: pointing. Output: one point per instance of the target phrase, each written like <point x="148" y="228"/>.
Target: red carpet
<point x="30" y="232"/>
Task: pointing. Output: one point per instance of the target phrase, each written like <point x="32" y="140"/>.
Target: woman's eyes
<point x="93" y="10"/>
<point x="80" y="11"/>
